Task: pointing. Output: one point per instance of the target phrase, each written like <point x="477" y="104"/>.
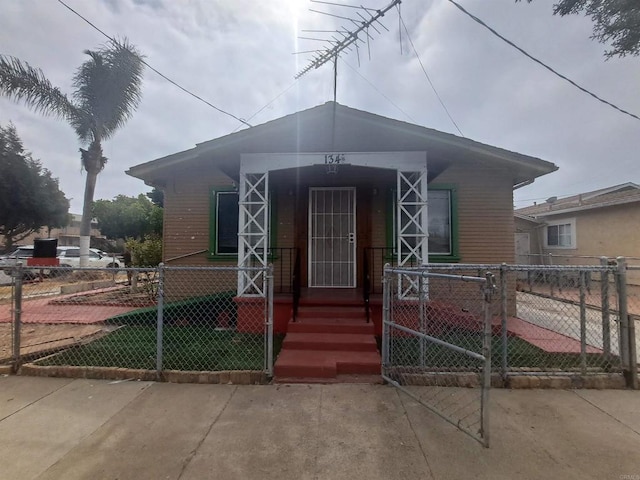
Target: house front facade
<point x="330" y="194"/>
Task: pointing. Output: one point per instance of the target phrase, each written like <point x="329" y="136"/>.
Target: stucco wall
<point x="611" y="232"/>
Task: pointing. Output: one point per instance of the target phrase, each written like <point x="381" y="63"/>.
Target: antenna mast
<point x="348" y="37"/>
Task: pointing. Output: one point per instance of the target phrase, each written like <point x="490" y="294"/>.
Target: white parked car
<point x="7" y="262"/>
<point x="70" y="257"/>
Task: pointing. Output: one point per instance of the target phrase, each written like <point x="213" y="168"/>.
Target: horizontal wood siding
<point x="186" y="215"/>
<point x="485" y="212"/>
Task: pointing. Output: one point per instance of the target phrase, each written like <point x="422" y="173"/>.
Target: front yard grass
<point x="405" y="351"/>
<point x="184" y="348"/>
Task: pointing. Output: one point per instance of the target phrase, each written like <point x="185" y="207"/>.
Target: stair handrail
<point x="296" y="284"/>
<point x="366" y="281"/>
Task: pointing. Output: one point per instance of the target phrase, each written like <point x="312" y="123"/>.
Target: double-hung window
<point x="560" y="234"/>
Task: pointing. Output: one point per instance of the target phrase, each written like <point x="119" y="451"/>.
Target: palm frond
<point x="108" y="88"/>
<point x="21" y="82"/>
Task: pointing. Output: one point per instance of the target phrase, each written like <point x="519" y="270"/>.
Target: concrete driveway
<point x="77" y="429"/>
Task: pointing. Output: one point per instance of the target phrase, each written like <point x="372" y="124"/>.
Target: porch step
<point x="324" y="364"/>
<point x="331" y="325"/>
<point x="333" y="311"/>
<point x="348" y="342"/>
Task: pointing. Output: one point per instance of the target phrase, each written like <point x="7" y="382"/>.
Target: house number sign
<point x="335" y="159"/>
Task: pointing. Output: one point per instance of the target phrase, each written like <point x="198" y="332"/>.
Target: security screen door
<point x="332" y="237"/>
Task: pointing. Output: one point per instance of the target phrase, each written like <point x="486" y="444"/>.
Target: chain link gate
<point x="436" y="343"/>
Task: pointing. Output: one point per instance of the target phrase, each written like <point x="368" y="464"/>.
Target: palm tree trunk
<point x="87" y="214"/>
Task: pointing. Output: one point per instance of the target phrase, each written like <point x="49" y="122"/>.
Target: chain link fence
<point x="436" y="343"/>
<point x="559" y="320"/>
<point x="161" y="319"/>
<point x="545" y="319"/>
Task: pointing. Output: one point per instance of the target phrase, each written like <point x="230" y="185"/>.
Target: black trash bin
<point x="45" y="247"/>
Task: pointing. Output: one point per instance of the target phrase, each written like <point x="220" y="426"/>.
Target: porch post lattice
<point x="253" y="233"/>
<point x="412" y="226"/>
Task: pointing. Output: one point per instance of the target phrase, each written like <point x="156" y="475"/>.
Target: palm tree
<point x="107" y="90"/>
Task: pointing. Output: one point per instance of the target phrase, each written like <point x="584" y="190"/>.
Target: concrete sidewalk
<point x="78" y="429"/>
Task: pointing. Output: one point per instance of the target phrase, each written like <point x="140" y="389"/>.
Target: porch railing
<point x="376" y="258"/>
<point x="296" y="284"/>
<point x="283" y="260"/>
<point x="366" y="282"/>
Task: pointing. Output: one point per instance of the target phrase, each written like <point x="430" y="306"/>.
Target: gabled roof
<point x="606" y="197"/>
<point x="332" y="127"/>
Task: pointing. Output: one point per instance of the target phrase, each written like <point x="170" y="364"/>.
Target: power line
<point x="157" y="72"/>
<point x="269" y="103"/>
<point x="424" y="70"/>
<point x="539" y="62"/>
<point x="377" y="90"/>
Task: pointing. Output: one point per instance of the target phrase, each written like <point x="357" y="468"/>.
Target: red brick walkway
<point x="545" y="339"/>
<point x="40" y="310"/>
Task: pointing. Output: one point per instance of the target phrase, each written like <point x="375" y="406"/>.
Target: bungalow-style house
<point x="329" y="195"/>
<point x="580" y="229"/>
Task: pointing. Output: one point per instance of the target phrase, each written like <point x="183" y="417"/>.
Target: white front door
<point x="332" y="237"/>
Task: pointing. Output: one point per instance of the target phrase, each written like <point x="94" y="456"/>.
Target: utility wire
<point x="157" y="72"/>
<point x="476" y="19"/>
<point x="377" y="90"/>
<point x="268" y="104"/>
<point x="424" y="70"/>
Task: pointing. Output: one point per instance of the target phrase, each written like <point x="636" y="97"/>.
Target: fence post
<point x="605" y="309"/>
<point x="269" y="324"/>
<point x="489" y="288"/>
<point x="583" y="323"/>
<point x="421" y="306"/>
<point x="503" y="316"/>
<point x="629" y="364"/>
<point x="386" y="314"/>
<point x="17" y="316"/>
<point x="160" y="320"/>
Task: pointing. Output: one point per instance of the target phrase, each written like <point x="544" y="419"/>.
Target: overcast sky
<point x="238" y="55"/>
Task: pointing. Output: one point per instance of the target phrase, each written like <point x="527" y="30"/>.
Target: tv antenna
<point x="344" y="38"/>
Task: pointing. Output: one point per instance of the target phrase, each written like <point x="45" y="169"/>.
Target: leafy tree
<point x="30" y="197"/>
<point x="107" y="89"/>
<point x="157" y="197"/>
<point x="128" y="217"/>
<point x="614" y="21"/>
<point x="146" y="253"/>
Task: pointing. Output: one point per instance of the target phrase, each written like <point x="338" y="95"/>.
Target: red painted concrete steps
<point x="329" y="342"/>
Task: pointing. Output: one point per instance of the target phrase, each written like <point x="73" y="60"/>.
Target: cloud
<point x="239" y="56"/>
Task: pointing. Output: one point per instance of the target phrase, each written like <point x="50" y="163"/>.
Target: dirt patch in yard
<point x="52" y="286"/>
<point x="119" y="296"/>
<point x="37" y="340"/>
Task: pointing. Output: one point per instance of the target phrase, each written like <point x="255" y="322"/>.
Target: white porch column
<point x="412" y="225"/>
<point x="253" y="232"/>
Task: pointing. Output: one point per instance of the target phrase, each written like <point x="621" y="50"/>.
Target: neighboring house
<point x="579" y="229"/>
<point x="341" y="190"/>
<point x="68" y="236"/>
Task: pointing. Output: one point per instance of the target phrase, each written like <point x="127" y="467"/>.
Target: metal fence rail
<point x="435" y="352"/>
<point x="562" y="319"/>
<point x="165" y="318"/>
